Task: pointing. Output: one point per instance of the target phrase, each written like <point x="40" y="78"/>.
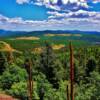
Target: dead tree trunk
<point x="68" y="95"/>
<point x="28" y="67"/>
<point x="71" y="72"/>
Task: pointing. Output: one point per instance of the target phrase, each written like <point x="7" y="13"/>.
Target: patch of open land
<point x="54" y="47"/>
<point x="52" y="35"/>
<point x="57" y="47"/>
<point x="5" y="47"/>
<point x="26" y="38"/>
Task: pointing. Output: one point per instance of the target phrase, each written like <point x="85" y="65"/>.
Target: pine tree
<point x="50" y="66"/>
<point x="2" y="63"/>
<point x="90" y="66"/>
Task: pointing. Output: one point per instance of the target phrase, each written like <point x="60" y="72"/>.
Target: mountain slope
<point x="4" y="33"/>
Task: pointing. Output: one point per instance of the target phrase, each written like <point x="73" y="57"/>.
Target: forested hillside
<point x="51" y="73"/>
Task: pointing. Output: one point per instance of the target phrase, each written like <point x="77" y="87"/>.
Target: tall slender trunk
<point x="71" y="71"/>
<point x="68" y="95"/>
<point x="30" y="81"/>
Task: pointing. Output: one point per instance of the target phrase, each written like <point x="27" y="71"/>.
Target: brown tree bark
<point x="71" y="71"/>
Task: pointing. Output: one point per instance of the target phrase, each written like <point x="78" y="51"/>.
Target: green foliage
<point x="50" y="71"/>
<point x="90" y="91"/>
<point x="91" y="66"/>
<point x="19" y="90"/>
<point x="11" y="75"/>
<point x="3" y="63"/>
<point x="51" y="67"/>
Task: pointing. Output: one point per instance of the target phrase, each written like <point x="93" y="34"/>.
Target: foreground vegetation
<point x="50" y="70"/>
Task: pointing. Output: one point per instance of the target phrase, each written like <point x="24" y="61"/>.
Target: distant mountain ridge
<point x="4" y="33"/>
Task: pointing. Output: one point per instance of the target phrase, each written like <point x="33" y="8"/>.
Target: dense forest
<point x="51" y="73"/>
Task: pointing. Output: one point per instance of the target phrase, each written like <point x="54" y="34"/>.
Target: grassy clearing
<point x="5" y="47"/>
<point x="26" y="38"/>
<point x="52" y="35"/>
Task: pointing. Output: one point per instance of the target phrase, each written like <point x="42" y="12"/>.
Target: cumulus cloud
<point x="69" y="23"/>
<point x="67" y="15"/>
<point x="22" y="1"/>
<point x="96" y="1"/>
<point x="76" y="14"/>
<point x="63" y="4"/>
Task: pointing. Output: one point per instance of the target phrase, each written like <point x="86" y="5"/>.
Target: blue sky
<point x="31" y="15"/>
<point x="12" y="9"/>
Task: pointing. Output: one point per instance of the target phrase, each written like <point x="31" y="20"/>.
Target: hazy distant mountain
<point x="4" y="33"/>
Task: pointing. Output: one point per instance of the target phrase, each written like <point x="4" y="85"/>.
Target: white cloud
<point x="96" y="1"/>
<point x="53" y="4"/>
<point x="67" y="23"/>
<point x="72" y="20"/>
<point x="65" y="1"/>
<point x="22" y="1"/>
<point x="77" y="14"/>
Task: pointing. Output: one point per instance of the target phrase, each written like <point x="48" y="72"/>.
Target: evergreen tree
<point x="50" y="66"/>
<point x="2" y="63"/>
<point x="90" y="66"/>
